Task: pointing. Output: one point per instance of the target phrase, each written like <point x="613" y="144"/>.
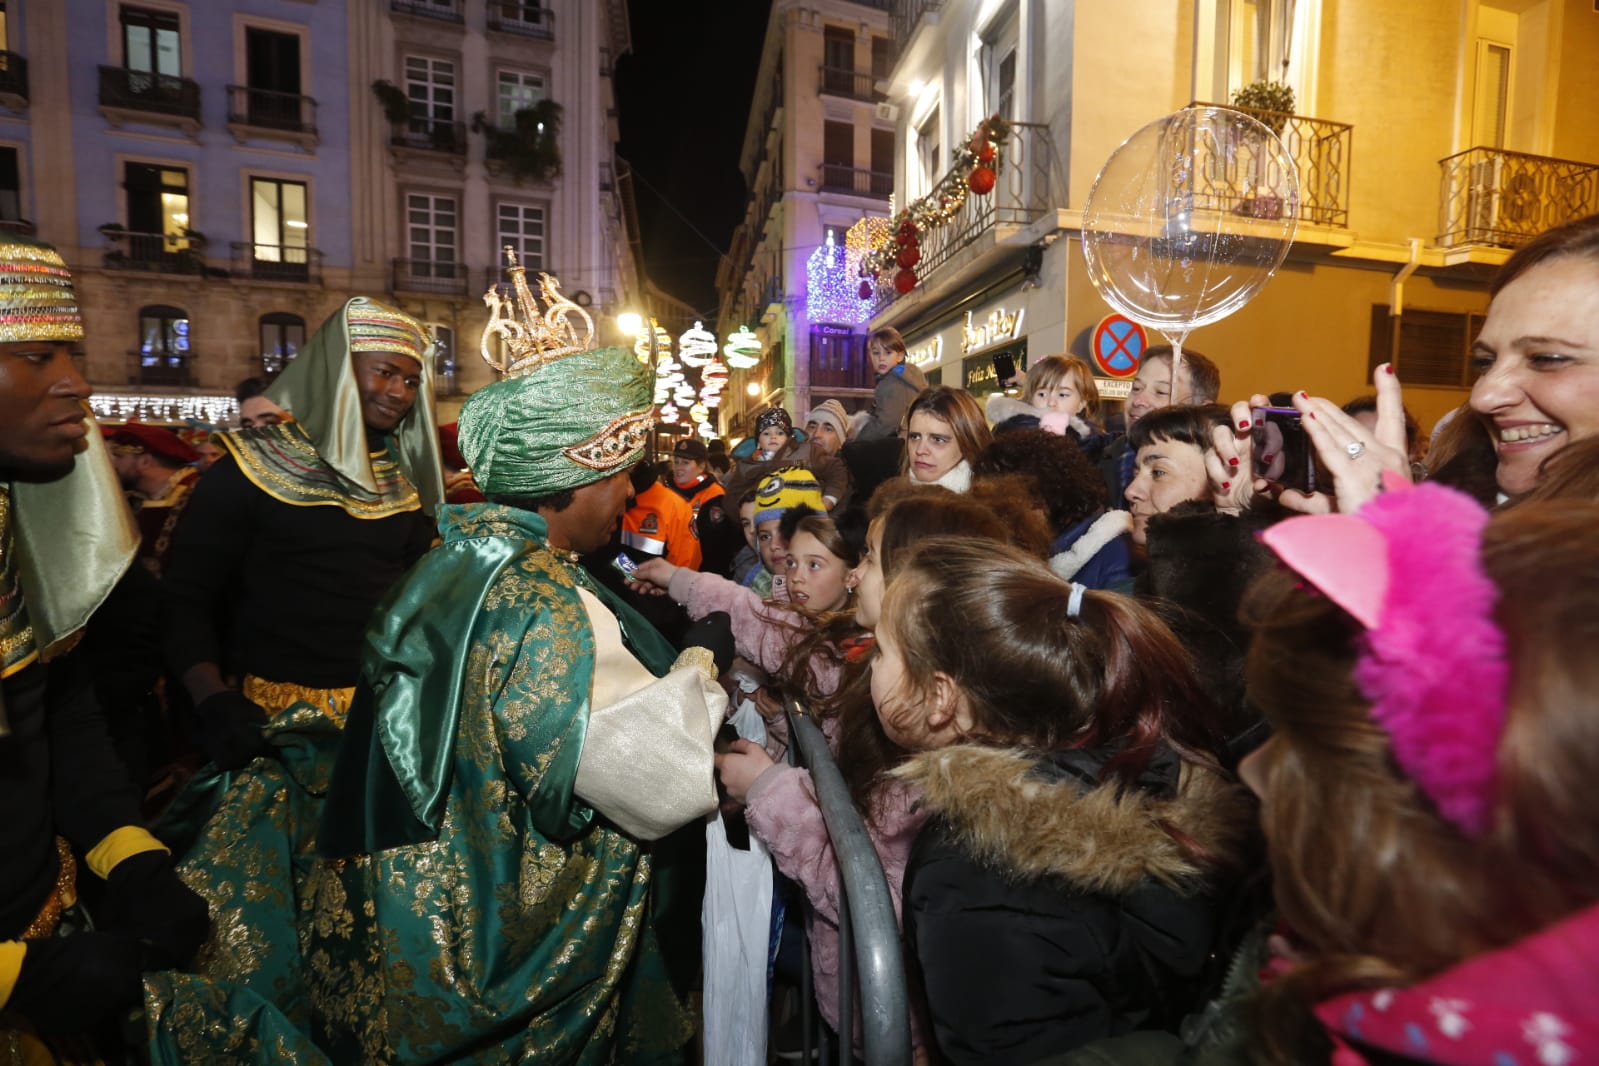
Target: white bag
<point x="737" y="932"/>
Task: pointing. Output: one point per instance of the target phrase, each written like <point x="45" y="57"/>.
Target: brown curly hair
<point x="1068" y="485"/>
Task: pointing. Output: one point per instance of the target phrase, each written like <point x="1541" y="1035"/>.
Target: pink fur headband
<point x="1407" y="567"/>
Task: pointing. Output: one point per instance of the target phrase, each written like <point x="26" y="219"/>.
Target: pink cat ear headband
<point x="1407" y="567"/>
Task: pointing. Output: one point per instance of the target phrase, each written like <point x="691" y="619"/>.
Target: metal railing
<point x="141" y="90"/>
<point x="13" y="74"/>
<point x="159" y="253"/>
<point x="430" y="135"/>
<point x="1023" y="191"/>
<point x="277" y="262"/>
<point x="905" y="14"/>
<point x="446" y="10"/>
<point x="848" y="82"/>
<point x="160" y="368"/>
<point x="1320" y="150"/>
<point x="1500" y="198"/>
<point x="523" y="20"/>
<point x="270" y="109"/>
<point x="429" y="275"/>
<point x="868" y="930"/>
<point x="838" y="177"/>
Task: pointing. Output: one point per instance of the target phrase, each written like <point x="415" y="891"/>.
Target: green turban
<point x="561" y="426"/>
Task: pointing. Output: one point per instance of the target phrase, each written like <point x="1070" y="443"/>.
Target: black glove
<point x="715" y="633"/>
<point x="230" y="729"/>
<point x="77" y="983"/>
<point x="146" y="898"/>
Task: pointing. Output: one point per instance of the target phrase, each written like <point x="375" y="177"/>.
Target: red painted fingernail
<point x="1312" y="415"/>
<point x="1303" y="395"/>
<point x="1225" y="485"/>
<point x="1243" y="425"/>
<point x="1389" y="368"/>
<point x="1233" y="461"/>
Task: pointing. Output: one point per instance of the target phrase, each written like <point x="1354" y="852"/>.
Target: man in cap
<point x="691" y="474"/>
<point x="518" y="740"/>
<point x="157" y="467"/>
<point x="71" y="815"/>
<point x="775" y="446"/>
<point x="288" y="545"/>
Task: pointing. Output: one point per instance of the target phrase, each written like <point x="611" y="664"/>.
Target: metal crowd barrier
<point x="867" y="931"/>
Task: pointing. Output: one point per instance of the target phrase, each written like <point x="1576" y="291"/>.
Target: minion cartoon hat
<point x="789" y="487"/>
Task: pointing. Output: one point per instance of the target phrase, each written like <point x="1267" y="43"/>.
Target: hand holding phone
<point x="1282" y="449"/>
<point x="1004" y="369"/>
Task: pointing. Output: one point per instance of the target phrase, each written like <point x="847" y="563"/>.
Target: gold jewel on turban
<point x="37" y="301"/>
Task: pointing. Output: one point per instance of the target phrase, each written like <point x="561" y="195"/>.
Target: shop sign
<point x="1000" y="327"/>
<point x="928" y="353"/>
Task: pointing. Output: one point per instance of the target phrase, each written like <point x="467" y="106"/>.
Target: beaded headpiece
<point x="376" y="327"/>
<point x="529" y="337"/>
<point x="37" y="301"/>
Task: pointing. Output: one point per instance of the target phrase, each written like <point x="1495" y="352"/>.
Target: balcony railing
<point x="848" y="82"/>
<point x="1320" y="150"/>
<point x="429" y="276"/>
<point x="875" y="183"/>
<point x="141" y="90"/>
<point x="1023" y="192"/>
<point x="444" y="10"/>
<point x="277" y="262"/>
<point x="160" y="368"/>
<point x="522" y="19"/>
<point x="430" y="135"/>
<point x="271" y="110"/>
<point x="905" y="14"/>
<point x="13" y="75"/>
<point x="159" y="253"/>
<point x="1505" y="199"/>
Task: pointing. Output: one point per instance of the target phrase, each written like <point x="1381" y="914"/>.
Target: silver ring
<point x="1355" y="449"/>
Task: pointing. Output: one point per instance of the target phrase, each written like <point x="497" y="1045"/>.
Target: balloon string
<point x="1176" y="366"/>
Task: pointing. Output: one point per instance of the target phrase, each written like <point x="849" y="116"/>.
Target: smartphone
<point x="1004" y="368"/>
<point x="734" y="823"/>
<point x="1283" y="452"/>
<point x="625" y="566"/>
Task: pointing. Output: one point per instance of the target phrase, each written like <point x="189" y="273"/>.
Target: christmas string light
<point x="743" y="349"/>
<point x="123" y="406"/>
<point x="713" y="379"/>
<point x="696" y="346"/>
<point x="830" y="288"/>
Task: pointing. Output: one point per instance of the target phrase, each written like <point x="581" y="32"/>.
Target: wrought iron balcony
<point x="905" y="15"/>
<point x="444" y="10"/>
<point x="878" y="184"/>
<point x="1023" y="191"/>
<point x="14" y="76"/>
<point x="430" y="135"/>
<point x="849" y="83"/>
<point x="1504" y="199"/>
<point x="159" y="253"/>
<point x="429" y="276"/>
<point x="277" y="262"/>
<point x="269" y="109"/>
<point x="522" y="19"/>
<point x="141" y="90"/>
<point x="1321" y="153"/>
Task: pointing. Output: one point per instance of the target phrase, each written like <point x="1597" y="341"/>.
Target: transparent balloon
<point x="1190" y="218"/>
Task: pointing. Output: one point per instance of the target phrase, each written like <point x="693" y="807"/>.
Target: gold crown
<point x="530" y="338"/>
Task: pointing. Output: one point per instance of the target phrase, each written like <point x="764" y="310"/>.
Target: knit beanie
<point x="788" y="487"/>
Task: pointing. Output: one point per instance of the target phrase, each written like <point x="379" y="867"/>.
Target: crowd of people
<point x="1193" y="734"/>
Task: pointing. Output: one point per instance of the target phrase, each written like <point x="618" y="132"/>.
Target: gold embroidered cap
<point x="37" y="300"/>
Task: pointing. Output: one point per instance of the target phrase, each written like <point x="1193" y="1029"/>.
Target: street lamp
<point x="630" y="323"/>
<point x="753" y="388"/>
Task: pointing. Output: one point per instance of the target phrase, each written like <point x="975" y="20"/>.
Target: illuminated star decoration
<point x="831" y="288"/>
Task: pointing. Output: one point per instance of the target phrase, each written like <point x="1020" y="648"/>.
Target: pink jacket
<point x="1531" y="1002"/>
<point x="783" y="812"/>
<point x="763" y="633"/>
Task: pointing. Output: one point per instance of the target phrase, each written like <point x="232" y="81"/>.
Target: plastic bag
<point x="737" y="929"/>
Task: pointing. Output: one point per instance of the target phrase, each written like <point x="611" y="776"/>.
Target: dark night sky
<point x="683" y="97"/>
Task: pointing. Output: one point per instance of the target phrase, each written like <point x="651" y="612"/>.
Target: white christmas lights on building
<point x="129" y="406"/>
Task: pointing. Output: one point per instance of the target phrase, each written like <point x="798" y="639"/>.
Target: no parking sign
<point x="1118" y="343"/>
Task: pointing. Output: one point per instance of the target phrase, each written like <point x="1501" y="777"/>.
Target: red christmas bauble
<point x="909" y="255"/>
<point x="987" y="154"/>
<point x="905" y="281"/>
<point x="902" y="238"/>
<point x="865" y="290"/>
<point x="981" y="181"/>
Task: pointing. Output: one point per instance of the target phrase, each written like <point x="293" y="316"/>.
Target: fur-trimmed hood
<point x="1034" y="816"/>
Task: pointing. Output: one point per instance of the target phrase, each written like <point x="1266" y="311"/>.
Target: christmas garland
<point x="975" y="170"/>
